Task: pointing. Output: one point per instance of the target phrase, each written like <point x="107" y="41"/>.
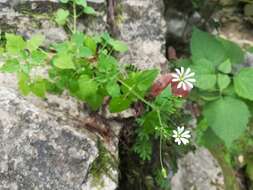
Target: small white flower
<point x="184" y="78"/>
<point x="181" y="136"/>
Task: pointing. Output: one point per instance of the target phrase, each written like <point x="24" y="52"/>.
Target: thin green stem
<point x="154" y="108"/>
<point x="137" y="95"/>
<point x="74" y="18"/>
<point x="161" y="138"/>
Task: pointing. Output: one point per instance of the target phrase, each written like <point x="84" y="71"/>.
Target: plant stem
<point x="74" y="18"/>
<point x="137" y="95"/>
<point x="154" y="108"/>
<point x="161" y="138"/>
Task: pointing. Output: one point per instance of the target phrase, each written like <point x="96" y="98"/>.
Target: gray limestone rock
<point x="198" y="171"/>
<point x="38" y="151"/>
<point x="29" y="18"/>
<point x="143" y="28"/>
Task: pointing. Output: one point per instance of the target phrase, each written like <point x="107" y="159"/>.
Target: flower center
<point x="181" y="77"/>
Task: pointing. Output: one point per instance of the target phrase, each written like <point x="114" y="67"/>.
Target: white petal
<point x="184" y="141"/>
<point x="178" y="141"/>
<point x="175" y="80"/>
<point x="180" y="129"/>
<point x="189" y="75"/>
<point x="178" y="72"/>
<point x="190" y="85"/>
<point x="175" y="134"/>
<point x="180" y="84"/>
<point x="184" y="86"/>
<point x="186" y="134"/>
<point x="187" y="71"/>
<point x="182" y="70"/>
<point x="174" y="75"/>
<point x="191" y="80"/>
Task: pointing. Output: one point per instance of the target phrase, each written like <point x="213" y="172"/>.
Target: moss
<point x="103" y="164"/>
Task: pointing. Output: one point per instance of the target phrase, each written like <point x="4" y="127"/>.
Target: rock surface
<point x="28" y="18"/>
<point x="39" y="152"/>
<point x="36" y="151"/>
<point x="198" y="171"/>
<point x="143" y="28"/>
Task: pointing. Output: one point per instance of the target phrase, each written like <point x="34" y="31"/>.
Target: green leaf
<point x="139" y="82"/>
<point x="119" y="45"/>
<point x="90" y="43"/>
<point x="38" y="87"/>
<point x="209" y="96"/>
<point x="38" y="57"/>
<point x="81" y="2"/>
<point x="23" y="83"/>
<point x="63" y="47"/>
<point x="85" y="52"/>
<point x="78" y="39"/>
<point x="250" y="49"/>
<point x="167" y="103"/>
<point x="204" y="74"/>
<point x="64" y="61"/>
<point x="87" y="87"/>
<point x="10" y="66"/>
<point x="64" y="1"/>
<point x="225" y="67"/>
<point x="89" y="10"/>
<point x="223" y="81"/>
<point x="150" y="121"/>
<point x="146" y="79"/>
<point x="35" y="42"/>
<point x="143" y="147"/>
<point x="61" y="16"/>
<point x="243" y="83"/>
<point x="14" y="44"/>
<point x="113" y="89"/>
<point x="233" y="52"/>
<point x="119" y="104"/>
<point x="228" y="117"/>
<point x="95" y="101"/>
<point x="106" y="63"/>
<point x="206" y="46"/>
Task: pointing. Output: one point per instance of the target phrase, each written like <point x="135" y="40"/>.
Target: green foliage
<point x="84" y="66"/>
<point x="228" y="117"/>
<point x="205" y="74"/>
<point x="219" y="86"/>
<point x="225" y="67"/>
<point x="35" y="42"/>
<point x="223" y="81"/>
<point x="244" y="83"/>
<point x="151" y="125"/>
<point x="61" y="16"/>
<point x="205" y="46"/>
<point x="14" y="44"/>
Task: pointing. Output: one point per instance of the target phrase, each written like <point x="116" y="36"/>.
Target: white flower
<point x="184" y="78"/>
<point x="181" y="136"/>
